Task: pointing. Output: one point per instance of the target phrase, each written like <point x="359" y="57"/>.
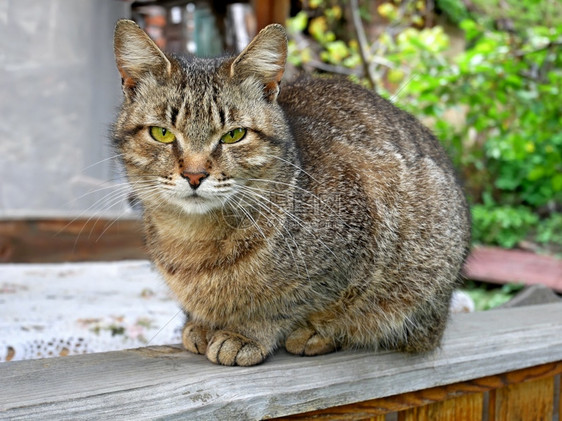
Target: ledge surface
<point x="169" y="382"/>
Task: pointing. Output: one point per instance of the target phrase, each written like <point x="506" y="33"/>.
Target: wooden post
<point x="525" y="401"/>
<point x="271" y="11"/>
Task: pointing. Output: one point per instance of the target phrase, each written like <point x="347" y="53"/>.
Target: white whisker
<point x="294" y="165"/>
<point x="297" y="220"/>
<point x="103" y="160"/>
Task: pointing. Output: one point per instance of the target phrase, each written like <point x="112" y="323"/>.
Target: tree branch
<point x="362" y="40"/>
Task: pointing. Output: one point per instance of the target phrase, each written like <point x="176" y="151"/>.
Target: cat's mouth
<point x="196" y="202"/>
<point x="196" y="198"/>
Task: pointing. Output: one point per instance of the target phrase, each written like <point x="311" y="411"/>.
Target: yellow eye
<point x="234" y="136"/>
<point x="162" y="135"/>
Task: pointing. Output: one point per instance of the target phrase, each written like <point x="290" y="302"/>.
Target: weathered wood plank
<point x="524" y="401"/>
<point x="430" y="396"/>
<point x="167" y="382"/>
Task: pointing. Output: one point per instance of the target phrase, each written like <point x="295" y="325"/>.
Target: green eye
<point x="234" y="136"/>
<point x="162" y="135"/>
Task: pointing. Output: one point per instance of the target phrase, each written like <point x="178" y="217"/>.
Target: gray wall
<point x="59" y="90"/>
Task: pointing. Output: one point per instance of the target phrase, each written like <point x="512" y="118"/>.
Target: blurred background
<point x="484" y="75"/>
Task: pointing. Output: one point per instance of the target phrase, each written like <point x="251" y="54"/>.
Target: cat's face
<point x="197" y="135"/>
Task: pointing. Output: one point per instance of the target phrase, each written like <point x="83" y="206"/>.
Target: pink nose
<point x="194" y="178"/>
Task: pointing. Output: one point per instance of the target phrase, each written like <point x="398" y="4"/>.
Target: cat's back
<point x="327" y="98"/>
<point x="334" y="112"/>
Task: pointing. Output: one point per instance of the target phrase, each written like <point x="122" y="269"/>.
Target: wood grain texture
<point x="354" y="412"/>
<point x="559" y="396"/>
<point x="463" y="408"/>
<point x="70" y="240"/>
<point x="524" y="401"/>
<point x="170" y="383"/>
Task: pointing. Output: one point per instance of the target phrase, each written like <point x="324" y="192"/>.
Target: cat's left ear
<point x="137" y="55"/>
<point x="264" y="58"/>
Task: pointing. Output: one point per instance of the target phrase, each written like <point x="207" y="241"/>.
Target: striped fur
<point x="336" y="222"/>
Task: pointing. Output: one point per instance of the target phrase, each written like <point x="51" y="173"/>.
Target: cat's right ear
<point x="137" y="55"/>
<point x="264" y="58"/>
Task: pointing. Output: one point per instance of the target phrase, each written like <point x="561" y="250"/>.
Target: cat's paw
<point x="306" y="341"/>
<point x="195" y="338"/>
<point x="228" y="348"/>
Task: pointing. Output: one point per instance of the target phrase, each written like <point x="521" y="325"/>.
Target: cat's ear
<point x="264" y="58"/>
<point x="137" y="55"/>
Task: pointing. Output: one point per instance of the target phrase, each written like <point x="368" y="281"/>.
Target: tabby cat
<point x="314" y="215"/>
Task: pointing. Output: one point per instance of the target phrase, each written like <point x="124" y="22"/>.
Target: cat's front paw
<point x="306" y="341"/>
<point x="228" y="348"/>
<point x="195" y="338"/>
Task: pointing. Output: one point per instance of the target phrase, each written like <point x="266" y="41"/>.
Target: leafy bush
<point x="495" y="105"/>
<point x="550" y="230"/>
<point x="511" y="142"/>
<point x="501" y="225"/>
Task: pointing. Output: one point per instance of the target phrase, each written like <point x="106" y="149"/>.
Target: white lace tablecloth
<point x="49" y="310"/>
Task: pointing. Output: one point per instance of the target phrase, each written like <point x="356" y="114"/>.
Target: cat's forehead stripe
<point x="199" y="110"/>
<point x="173" y="114"/>
<point x="183" y="113"/>
<point x="221" y="116"/>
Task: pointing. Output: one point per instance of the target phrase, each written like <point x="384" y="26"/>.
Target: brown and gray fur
<point x="336" y="222"/>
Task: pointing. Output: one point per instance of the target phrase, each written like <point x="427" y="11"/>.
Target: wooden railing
<point x="495" y="365"/>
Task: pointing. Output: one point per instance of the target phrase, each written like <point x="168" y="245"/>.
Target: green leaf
<point x="556" y="182"/>
<point x="470" y="29"/>
<point x="536" y="174"/>
<point x="298" y="23"/>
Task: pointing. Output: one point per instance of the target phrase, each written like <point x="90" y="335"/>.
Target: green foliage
<point x="510" y="140"/>
<point x="486" y="297"/>
<point x="504" y="226"/>
<point x="515" y="110"/>
<point x="455" y="9"/>
<point x="521" y="14"/>
<point x="495" y="105"/>
<point x="550" y="230"/>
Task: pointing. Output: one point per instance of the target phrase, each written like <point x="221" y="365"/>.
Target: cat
<point x="313" y="215"/>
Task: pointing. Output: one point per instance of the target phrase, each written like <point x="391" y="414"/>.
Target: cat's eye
<point x="234" y="136"/>
<point x="162" y="135"/>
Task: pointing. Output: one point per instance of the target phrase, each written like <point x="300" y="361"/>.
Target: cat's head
<point x="196" y="134"/>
